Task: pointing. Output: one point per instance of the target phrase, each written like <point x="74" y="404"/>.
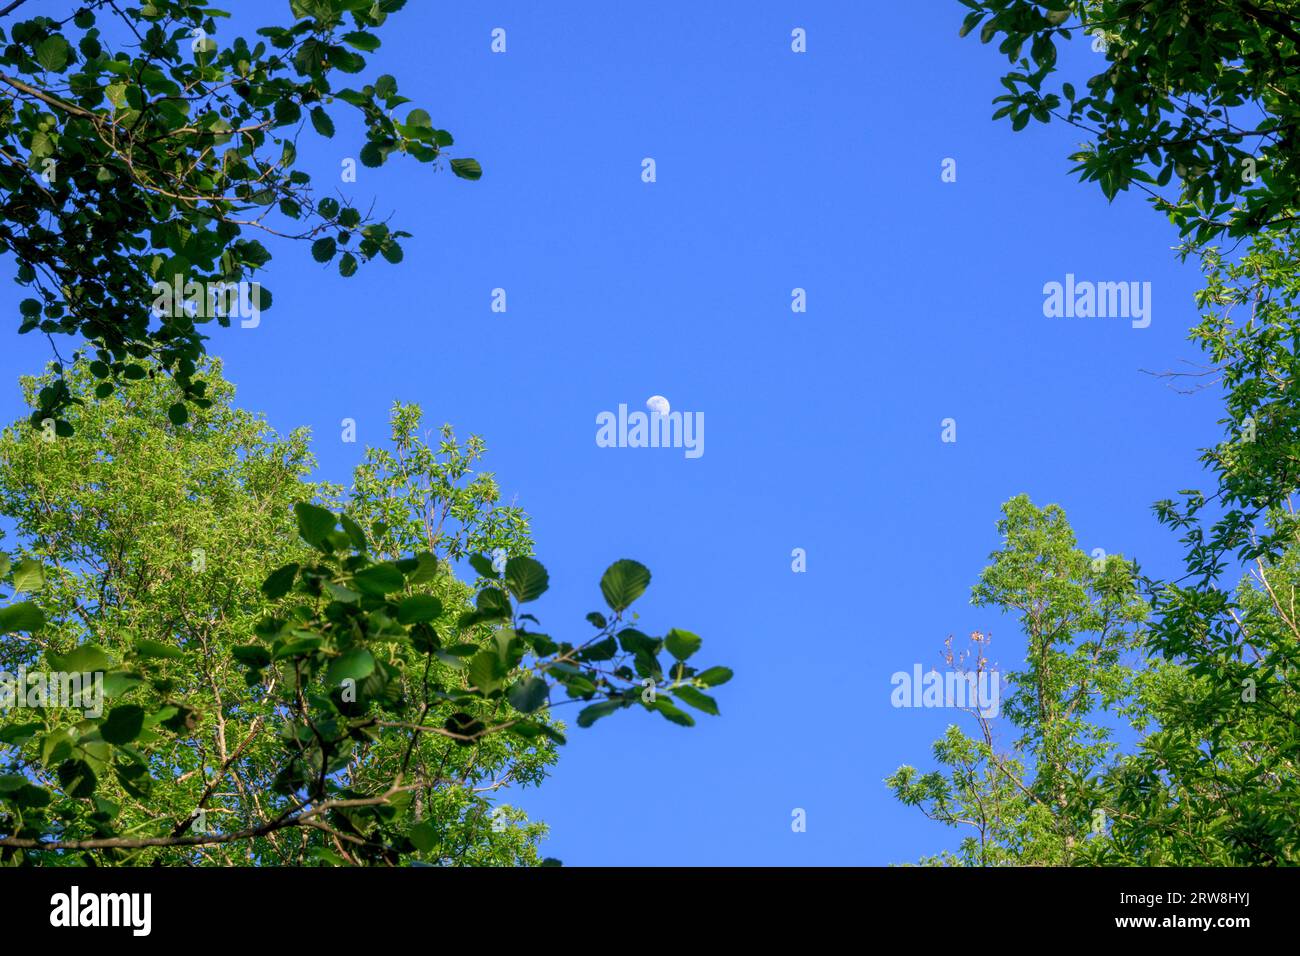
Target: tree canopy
<point x="155" y="143"/>
<point x="288" y="676"/>
<point x="1206" y="676"/>
<point x="1195" y="103"/>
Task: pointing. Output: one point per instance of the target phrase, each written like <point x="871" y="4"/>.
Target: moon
<point x="659" y="404"/>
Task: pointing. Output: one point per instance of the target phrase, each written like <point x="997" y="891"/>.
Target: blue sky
<point x="775" y="170"/>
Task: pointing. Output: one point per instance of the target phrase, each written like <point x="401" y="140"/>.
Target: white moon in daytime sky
<point x="657" y="403"/>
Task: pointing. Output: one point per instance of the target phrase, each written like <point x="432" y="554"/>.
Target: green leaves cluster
<point x="286" y="680"/>
<point x="1206" y="93"/>
<point x="25" y="576"/>
<point x="1081" y="618"/>
<point x="144" y="144"/>
<point x="484" y="672"/>
<point x="354" y="605"/>
<point x="1200" y="98"/>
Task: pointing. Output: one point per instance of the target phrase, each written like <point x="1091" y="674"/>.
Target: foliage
<point x="1220" y="784"/>
<point x="441" y="509"/>
<point x="143" y="144"/>
<point x="1214" y="777"/>
<point x="1080" y="618"/>
<point x="277" y="691"/>
<point x="1206" y="92"/>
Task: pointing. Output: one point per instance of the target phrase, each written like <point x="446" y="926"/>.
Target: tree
<point x="1207" y="92"/>
<point x="1081" y="619"/>
<point x="278" y="687"/>
<point x="1212" y="778"/>
<point x="145" y="153"/>
<point x="330" y="690"/>
<point x="1220" y="783"/>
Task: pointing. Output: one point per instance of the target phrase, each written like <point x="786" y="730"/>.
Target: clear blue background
<point x="775" y="170"/>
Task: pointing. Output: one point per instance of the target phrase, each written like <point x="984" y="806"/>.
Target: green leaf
<point x="322" y="250"/>
<point x="424" y="638"/>
<point x="29" y="576"/>
<point x="123" y="724"/>
<point x="421" y="607"/>
<point x="19" y="733"/>
<point x="623" y="582"/>
<point x="278" y="584"/>
<point x="467" y="168"/>
<point x="634" y="642"/>
<point x="355" y="664"/>
<point x="87" y="657"/>
<point x="21" y="617"/>
<point x="254" y="655"/>
<point x="450" y="660"/>
<point x="531" y="730"/>
<point x="314" y="523"/>
<point x="424" y="836"/>
<point x="526" y="578"/>
<point x="665" y="707"/>
<point x="77" y="779"/>
<point x="697" y="699"/>
<point x="714" y="676"/>
<point x="360" y="40"/>
<point x="147" y="649"/>
<point x="592" y="713"/>
<point x="421" y="569"/>
<point x="53" y="53"/>
<point x="299" y="644"/>
<point x="178" y="414"/>
<point x="379" y="579"/>
<point x="321" y="122"/>
<point x="681" y="644"/>
<point x="492" y="605"/>
<point x="600" y="651"/>
<point x="528" y="695"/>
<point x="119" y="682"/>
<point x="486" y="671"/>
<point x="56" y="746"/>
<point x="353" y="531"/>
